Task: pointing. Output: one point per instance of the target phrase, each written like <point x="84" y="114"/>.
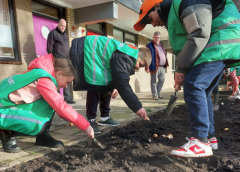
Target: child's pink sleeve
<point x="49" y="92"/>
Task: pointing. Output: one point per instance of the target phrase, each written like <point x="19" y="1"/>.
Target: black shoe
<point x="9" y="143"/>
<point x="94" y="126"/>
<point x="160" y="97"/>
<point x="47" y="140"/>
<point x="70" y="101"/>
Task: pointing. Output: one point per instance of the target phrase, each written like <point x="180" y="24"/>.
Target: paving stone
<point x="26" y="142"/>
<point x="4" y="156"/>
<point x="66" y="130"/>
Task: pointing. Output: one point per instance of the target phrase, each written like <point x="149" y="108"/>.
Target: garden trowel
<point x="148" y="120"/>
<point x="98" y="143"/>
<point x="171" y="103"/>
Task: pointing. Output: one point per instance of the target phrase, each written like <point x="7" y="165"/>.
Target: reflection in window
<point x="44" y="9"/>
<point x="122" y="36"/>
<point x="118" y="35"/>
<point x="130" y="43"/>
<point x="130" y="37"/>
<point x="6" y="41"/>
<point x="97" y="27"/>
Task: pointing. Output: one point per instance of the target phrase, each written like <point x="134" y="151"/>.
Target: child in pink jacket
<point x="61" y="73"/>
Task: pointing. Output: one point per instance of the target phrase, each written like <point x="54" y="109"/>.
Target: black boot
<point x="9" y="143"/>
<point x="45" y="139"/>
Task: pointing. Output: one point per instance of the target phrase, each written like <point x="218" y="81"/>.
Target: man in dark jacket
<point x="104" y="66"/>
<point x="204" y="34"/>
<point x="57" y="43"/>
<point x="158" y="65"/>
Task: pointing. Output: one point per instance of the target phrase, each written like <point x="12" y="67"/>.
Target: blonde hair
<point x="144" y="54"/>
<point x="65" y="66"/>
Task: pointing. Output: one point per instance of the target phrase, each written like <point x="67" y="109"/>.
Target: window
<point x="130" y="37"/>
<point x="124" y="36"/>
<point x="96" y="28"/>
<point x="148" y="41"/>
<point x="47" y="10"/>
<point x="44" y="9"/>
<point x="130" y="43"/>
<point x="8" y="50"/>
<point x="174" y="62"/>
<point x="118" y="35"/>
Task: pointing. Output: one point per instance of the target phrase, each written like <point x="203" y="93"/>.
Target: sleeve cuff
<point x="180" y="70"/>
<point x="136" y="109"/>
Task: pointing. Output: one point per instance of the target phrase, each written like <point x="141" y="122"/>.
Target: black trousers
<point x="95" y="97"/>
<point x="67" y="93"/>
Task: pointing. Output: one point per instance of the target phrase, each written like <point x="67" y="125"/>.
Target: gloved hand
<point x="179" y="78"/>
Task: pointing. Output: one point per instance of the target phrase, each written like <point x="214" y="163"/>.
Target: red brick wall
<point x="25" y="31"/>
<point x="70" y="23"/>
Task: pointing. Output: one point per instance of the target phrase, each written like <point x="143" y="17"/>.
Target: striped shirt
<point x="161" y="55"/>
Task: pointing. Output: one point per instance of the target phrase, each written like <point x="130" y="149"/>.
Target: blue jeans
<point x="198" y="85"/>
<point x="156" y="86"/>
<point x="215" y="90"/>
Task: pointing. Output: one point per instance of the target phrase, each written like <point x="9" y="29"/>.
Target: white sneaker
<point x="213" y="142"/>
<point x="234" y="97"/>
<point x="194" y="148"/>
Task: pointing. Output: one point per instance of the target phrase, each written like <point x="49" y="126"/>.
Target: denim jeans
<point x="67" y="93"/>
<point x="198" y="84"/>
<point x="157" y="81"/>
<point x="215" y="90"/>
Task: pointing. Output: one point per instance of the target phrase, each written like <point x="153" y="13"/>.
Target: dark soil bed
<point x="132" y="147"/>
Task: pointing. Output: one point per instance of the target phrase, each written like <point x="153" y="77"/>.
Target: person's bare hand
<point x="228" y="88"/>
<point x="179" y="78"/>
<point x="114" y="93"/>
<point x="89" y="131"/>
<point x="147" y="70"/>
<point x="142" y="113"/>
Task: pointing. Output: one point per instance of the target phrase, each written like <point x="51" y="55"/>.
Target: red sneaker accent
<point x="213" y="142"/>
<point x="194" y="148"/>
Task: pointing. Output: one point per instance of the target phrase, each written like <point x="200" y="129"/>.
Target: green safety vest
<point x="237" y="70"/>
<point x="24" y="118"/>
<point x="98" y="51"/>
<point x="225" y="35"/>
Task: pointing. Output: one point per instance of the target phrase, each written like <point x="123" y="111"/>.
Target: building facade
<point x="25" y="24"/>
